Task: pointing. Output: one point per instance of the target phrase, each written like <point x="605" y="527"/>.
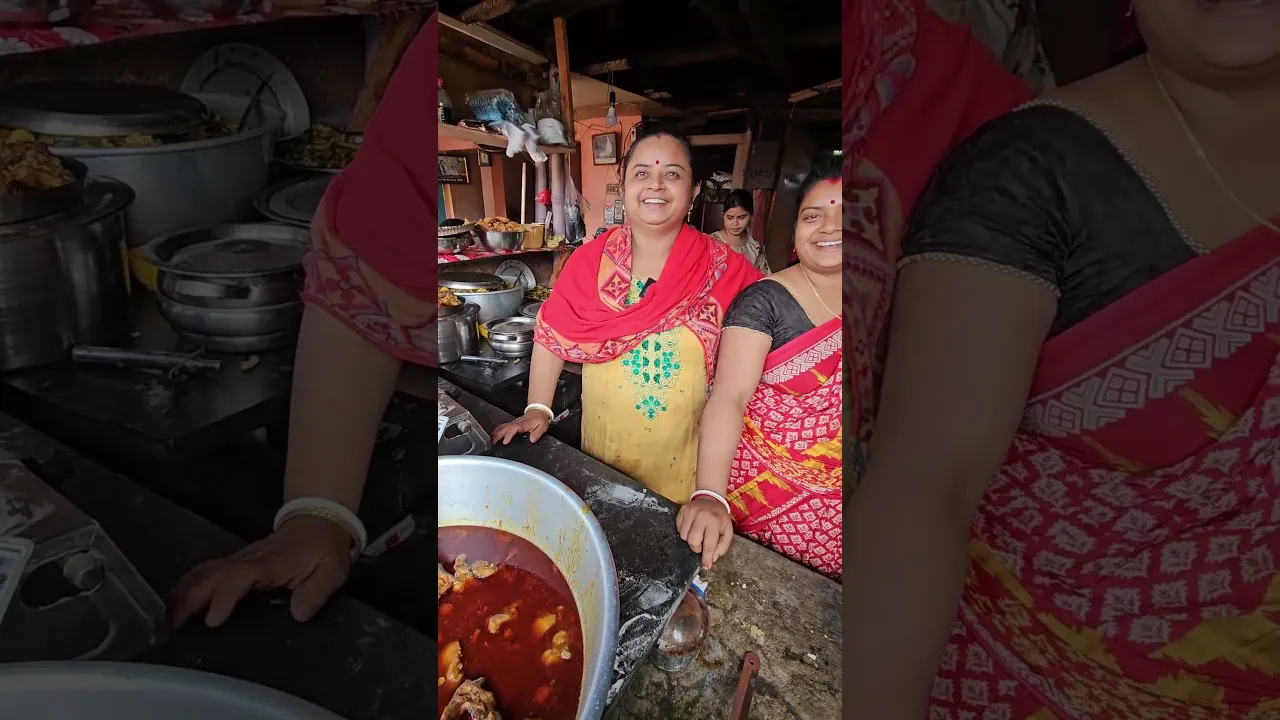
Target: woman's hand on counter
<point x="535" y="423"/>
<point x="707" y="527"/>
<point x="309" y="555"/>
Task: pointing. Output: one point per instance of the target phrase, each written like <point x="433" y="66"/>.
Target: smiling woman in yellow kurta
<point x="640" y="308"/>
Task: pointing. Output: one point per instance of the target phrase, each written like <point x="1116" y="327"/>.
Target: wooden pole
<point x="524" y="189"/>
<point x="566" y="84"/>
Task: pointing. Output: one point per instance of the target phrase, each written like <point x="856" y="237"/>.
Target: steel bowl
<point x="506" y="495"/>
<point x="530" y="310"/>
<point x="517" y="329"/>
<point x="139" y="691"/>
<point x="238" y="322"/>
<point x="453" y="244"/>
<point x="502" y="241"/>
<point x="512" y="349"/>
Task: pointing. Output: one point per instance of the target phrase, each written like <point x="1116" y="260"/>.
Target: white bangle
<point x="711" y="494"/>
<point x="539" y="406"/>
<point x="329" y="510"/>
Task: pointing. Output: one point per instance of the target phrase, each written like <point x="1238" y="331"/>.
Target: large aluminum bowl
<point x="501" y="494"/>
<point x="135" y="691"/>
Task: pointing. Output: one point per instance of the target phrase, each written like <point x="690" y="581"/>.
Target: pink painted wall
<point x="595" y="177"/>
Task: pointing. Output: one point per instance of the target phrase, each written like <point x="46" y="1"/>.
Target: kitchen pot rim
<point x="122" y="197"/>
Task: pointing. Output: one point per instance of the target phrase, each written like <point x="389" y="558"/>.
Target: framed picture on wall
<point x="604" y="149"/>
<point x="452" y="169"/>
<point x="486" y="160"/>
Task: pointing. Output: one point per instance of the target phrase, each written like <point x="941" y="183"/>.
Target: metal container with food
<point x="138" y="691"/>
<point x="477" y="496"/>
<point x="456" y="330"/>
<point x="180" y="182"/>
<point x="517" y="329"/>
<point x="502" y="241"/>
<point x="239" y="266"/>
<point x="453" y="244"/>
<point x="62" y="279"/>
<point x="30" y="204"/>
<point x="230" y="287"/>
<point x="495" y="298"/>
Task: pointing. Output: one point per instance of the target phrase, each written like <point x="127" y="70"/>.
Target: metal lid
<point x="103" y="196"/>
<point x="462" y="280"/>
<point x="511" y="326"/>
<point x="231" y="250"/>
<point x="99" y="109"/>
<point x="530" y="310"/>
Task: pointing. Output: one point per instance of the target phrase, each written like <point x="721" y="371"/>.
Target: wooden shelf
<point x="480" y="138"/>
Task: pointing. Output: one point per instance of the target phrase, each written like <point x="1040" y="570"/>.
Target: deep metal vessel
<point x="489" y="492"/>
<point x="190" y="184"/>
<point x="62" y="279"/>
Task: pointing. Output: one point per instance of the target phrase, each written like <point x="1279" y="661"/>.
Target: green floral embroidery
<point x="652" y="366"/>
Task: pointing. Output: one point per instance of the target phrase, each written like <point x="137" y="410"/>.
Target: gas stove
<point x="461" y="434"/>
<point x="78" y="597"/>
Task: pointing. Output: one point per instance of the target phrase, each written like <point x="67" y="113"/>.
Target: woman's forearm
<point x="907" y="553"/>
<point x="718" y="437"/>
<point x="341" y="386"/>
<point x="544" y="373"/>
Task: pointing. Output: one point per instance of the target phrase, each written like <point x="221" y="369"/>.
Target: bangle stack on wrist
<point x="336" y="513"/>
<point x="551" y="416"/>
<point x="712" y="494"/>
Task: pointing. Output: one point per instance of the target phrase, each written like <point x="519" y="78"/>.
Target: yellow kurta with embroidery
<point x="640" y="411"/>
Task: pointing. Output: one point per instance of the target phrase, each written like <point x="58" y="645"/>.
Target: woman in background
<point x="770" y="448"/>
<point x="640" y="308"/>
<point x="738" y="212"/>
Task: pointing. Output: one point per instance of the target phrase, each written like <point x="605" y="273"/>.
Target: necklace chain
<point x="1200" y="152"/>
<point x="814" y="288"/>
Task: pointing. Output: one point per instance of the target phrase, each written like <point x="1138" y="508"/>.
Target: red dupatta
<point x="586" y="319"/>
<point x="1125" y="555"/>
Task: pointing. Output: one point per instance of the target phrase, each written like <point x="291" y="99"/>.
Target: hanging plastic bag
<point x="494" y="107"/>
<point x="522" y="138"/>
<point x="575" y="208"/>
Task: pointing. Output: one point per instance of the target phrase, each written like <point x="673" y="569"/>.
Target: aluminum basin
<point x="136" y="691"/>
<point x="506" y="495"/>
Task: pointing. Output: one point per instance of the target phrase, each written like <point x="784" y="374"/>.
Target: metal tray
<point x="136" y="691"/>
<point x="293" y="202"/>
<point x="42" y="203"/>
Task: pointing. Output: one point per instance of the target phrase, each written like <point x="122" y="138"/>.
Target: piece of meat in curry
<point x="26" y="165"/>
<point x="471" y="702"/>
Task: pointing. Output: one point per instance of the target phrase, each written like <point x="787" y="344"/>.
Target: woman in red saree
<point x="1078" y="434"/>
<point x="770" y="450"/>
<point x="915" y="86"/>
<point x="640" y="308"/>
<point x="370" y="300"/>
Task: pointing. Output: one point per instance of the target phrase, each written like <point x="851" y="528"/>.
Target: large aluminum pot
<point x="494" y="304"/>
<point x="501" y="494"/>
<point x="456" y="332"/>
<point x="190" y="184"/>
<point x="137" y="691"/>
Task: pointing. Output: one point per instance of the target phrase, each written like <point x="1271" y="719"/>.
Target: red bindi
<point x="833" y="202"/>
<point x="657" y="162"/>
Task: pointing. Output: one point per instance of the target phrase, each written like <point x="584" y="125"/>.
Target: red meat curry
<point x="506" y="614"/>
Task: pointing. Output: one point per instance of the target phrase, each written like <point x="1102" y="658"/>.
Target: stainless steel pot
<point x="517" y="329"/>
<point x="453" y="244"/>
<point x="502" y="241"/>
<point x="501" y="494"/>
<point x="512" y="349"/>
<point x="238" y="322"/>
<point x="190" y="184"/>
<point x="494" y="304"/>
<point x="62" y="279"/>
<point x="251" y="265"/>
<point x="456" y="332"/>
